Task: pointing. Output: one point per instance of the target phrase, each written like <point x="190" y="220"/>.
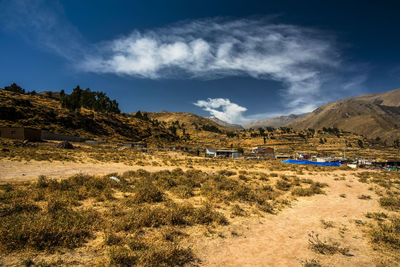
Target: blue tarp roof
<point x="333" y="164"/>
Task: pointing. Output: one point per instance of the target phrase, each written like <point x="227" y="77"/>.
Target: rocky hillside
<point x="42" y="112"/>
<point x="275" y="122"/>
<point x="375" y="116"/>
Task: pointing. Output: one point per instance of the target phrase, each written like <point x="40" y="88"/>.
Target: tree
<point x="396" y="143"/>
<point x="301" y="135"/>
<point x="15" y="88"/>
<point x="360" y="143"/>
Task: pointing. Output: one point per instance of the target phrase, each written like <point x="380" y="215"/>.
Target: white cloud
<point x="215" y="48"/>
<point x="223" y="109"/>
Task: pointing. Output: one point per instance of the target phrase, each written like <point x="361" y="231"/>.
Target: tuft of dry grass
<point x="326" y="247"/>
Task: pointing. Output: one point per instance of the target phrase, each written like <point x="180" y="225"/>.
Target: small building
<point x="283" y="156"/>
<point x="263" y="152"/>
<point x="324" y="159"/>
<point x="21" y="133"/>
<point x="303" y="156"/>
<point x="222" y="153"/>
<point x="211" y="153"/>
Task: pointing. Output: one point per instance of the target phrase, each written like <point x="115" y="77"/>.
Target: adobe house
<point x="263" y="151"/>
<point x="21" y="133"/>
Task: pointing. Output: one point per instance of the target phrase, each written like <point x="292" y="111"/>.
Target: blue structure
<point x="305" y="162"/>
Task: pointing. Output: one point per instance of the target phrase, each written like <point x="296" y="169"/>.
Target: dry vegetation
<point x="145" y="219"/>
<point x="384" y="229"/>
<point x="170" y="201"/>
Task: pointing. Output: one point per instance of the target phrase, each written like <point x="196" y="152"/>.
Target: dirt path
<point x="282" y="240"/>
<point x="15" y="171"/>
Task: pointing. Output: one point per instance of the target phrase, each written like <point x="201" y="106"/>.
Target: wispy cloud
<point x="43" y="24"/>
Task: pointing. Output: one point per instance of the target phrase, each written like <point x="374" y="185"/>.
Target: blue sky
<point x="235" y="60"/>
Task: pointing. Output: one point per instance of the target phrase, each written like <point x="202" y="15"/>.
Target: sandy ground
<point x="15" y="171"/>
<point x="282" y="239"/>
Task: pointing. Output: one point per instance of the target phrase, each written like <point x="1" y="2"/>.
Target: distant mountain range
<point x="275" y="122"/>
<point x="227" y="124"/>
<point x="375" y="116"/>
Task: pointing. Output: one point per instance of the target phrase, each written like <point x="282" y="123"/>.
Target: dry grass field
<point x="60" y="207"/>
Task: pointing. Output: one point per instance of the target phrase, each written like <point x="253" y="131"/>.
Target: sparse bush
<point x="325" y="247"/>
<point x="183" y="191"/>
<point x="236" y="210"/>
<point x="314" y="189"/>
<point x="390" y="202"/>
<point x="379" y="216"/>
<point x="146" y="191"/>
<point x="311" y="263"/>
<point x="387" y="233"/>
<point x="283" y="185"/>
<point x="62" y="227"/>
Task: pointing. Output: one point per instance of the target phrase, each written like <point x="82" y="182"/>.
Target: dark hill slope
<point x="38" y="111"/>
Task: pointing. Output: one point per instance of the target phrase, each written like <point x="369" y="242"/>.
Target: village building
<point x="21" y="133"/>
<point x="303" y="156"/>
<point x="263" y="152"/>
<point x="283" y="156"/>
<point x="221" y="153"/>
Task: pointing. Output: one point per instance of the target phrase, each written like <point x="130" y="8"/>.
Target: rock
<point x="65" y="145"/>
<point x="115" y="179"/>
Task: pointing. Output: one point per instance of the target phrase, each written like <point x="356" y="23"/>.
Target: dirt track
<point x="15" y="171"/>
<point x="282" y="240"/>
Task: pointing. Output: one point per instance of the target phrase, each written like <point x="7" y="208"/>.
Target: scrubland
<point x="173" y="209"/>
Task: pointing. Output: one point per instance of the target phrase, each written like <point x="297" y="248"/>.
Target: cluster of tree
<point x="141" y="116"/>
<point x="14" y="88"/>
<point x="396" y="143"/>
<point x="231" y="134"/>
<point x="332" y="130"/>
<point x="18" y="89"/>
<point x="93" y="100"/>
<point x="286" y="129"/>
<point x="211" y="128"/>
